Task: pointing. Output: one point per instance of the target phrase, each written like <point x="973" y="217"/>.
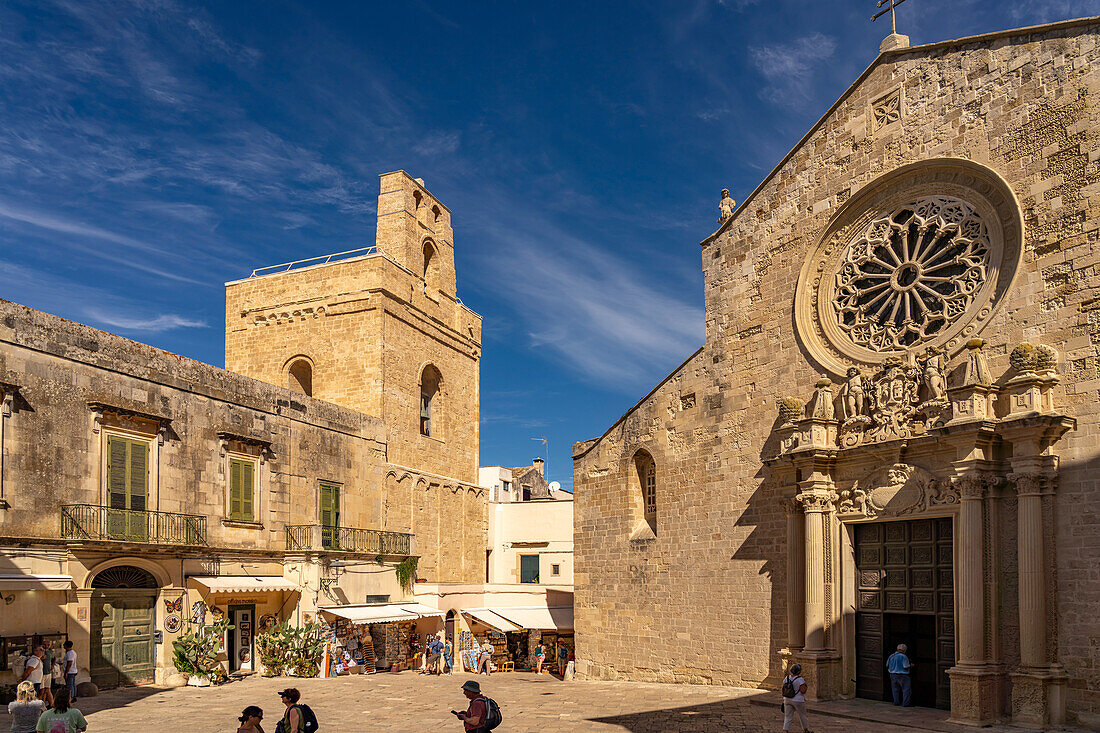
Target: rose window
<point x="910" y="275"/>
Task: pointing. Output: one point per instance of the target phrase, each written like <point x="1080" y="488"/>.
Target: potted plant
<point x="195" y="654"/>
<point x="291" y="650"/>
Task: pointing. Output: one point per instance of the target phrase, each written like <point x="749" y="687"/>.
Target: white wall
<point x="541" y="527"/>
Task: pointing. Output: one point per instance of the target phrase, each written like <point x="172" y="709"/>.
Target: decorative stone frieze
<point x="896" y="490"/>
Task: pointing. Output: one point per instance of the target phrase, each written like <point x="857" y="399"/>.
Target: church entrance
<point x="905" y="596"/>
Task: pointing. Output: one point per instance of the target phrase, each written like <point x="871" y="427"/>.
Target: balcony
<point x="90" y="522"/>
<point x="301" y="537"/>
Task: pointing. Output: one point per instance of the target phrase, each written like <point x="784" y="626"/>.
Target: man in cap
<point x="898" y="665"/>
<point x="477" y="714"/>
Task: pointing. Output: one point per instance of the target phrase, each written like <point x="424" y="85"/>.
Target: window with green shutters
<point x="127" y="473"/>
<point x="127" y="488"/>
<point x="329" y="515"/>
<point x="242" y="483"/>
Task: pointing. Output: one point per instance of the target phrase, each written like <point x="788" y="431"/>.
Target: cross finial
<point x="894" y="40"/>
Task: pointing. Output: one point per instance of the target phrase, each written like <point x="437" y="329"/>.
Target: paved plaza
<point x="411" y="702"/>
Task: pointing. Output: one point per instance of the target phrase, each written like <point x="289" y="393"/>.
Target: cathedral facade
<point x="889" y="435"/>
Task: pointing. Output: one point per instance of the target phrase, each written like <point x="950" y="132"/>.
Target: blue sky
<point x="153" y="149"/>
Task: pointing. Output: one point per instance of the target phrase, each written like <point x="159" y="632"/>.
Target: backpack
<point x="309" y="720"/>
<point x="788" y="687"/>
<point x="493" y="717"/>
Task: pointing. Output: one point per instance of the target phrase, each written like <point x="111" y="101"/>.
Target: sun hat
<point x="472" y="686"/>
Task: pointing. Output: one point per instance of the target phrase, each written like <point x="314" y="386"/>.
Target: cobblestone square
<point x="411" y="702"/>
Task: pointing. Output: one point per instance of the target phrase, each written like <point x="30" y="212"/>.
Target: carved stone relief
<point x="894" y="491"/>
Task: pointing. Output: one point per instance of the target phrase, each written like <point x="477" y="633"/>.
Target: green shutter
<point x="241" y="489"/>
<point x="248" y="487"/>
<point x="117" y="467"/>
<point x="139" y="475"/>
<point x="330" y="506"/>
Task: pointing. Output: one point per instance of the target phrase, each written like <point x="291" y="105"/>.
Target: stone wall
<point x="705" y="599"/>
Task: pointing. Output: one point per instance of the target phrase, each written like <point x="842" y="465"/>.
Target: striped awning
<point x="244" y="583"/>
<point x="382" y="613"/>
<point x="490" y="618"/>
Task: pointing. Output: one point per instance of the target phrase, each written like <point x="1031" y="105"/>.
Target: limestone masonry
<point x="890" y="434"/>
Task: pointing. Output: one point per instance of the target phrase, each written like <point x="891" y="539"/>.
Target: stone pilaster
<point x="796" y="576"/>
<point x="821" y="665"/>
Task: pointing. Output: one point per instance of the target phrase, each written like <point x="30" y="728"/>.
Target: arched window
<point x="417" y="197"/>
<point x="647" y="485"/>
<point x="124" y="576"/>
<point x="435" y="213"/>
<point x="300" y="377"/>
<point x="431" y="267"/>
<point x="430" y="381"/>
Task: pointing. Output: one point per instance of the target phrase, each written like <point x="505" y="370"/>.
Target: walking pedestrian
<point x="435" y="649"/>
<point x="62" y="717"/>
<point x="898" y="665"/>
<point x="25" y="709"/>
<point x="69" y="667"/>
<point x="794" y="699"/>
<point x="540" y="656"/>
<point x="477" y="714"/>
<point x="296" y="715"/>
<point x="448" y="656"/>
<point x="563" y="657"/>
<point x="250" y="720"/>
<point x="485" y="658"/>
<point x="32" y="671"/>
<point x="47" y="672"/>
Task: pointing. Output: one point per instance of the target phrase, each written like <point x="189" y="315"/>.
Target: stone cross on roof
<point x="895" y="39"/>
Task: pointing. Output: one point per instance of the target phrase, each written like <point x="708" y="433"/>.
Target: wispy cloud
<point x="146" y="324"/>
<point x="438" y="143"/>
<point x="789" y="68"/>
<point x="601" y="314"/>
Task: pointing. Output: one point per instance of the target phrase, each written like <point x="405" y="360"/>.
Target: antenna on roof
<point x="546" y="466"/>
<point x="895" y="39"/>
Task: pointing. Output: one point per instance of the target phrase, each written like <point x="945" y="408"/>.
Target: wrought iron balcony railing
<point x="90" y="522"/>
<point x="347" y="539"/>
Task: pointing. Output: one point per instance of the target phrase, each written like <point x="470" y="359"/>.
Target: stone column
<point x="820" y="664"/>
<point x="796" y="576"/>
<point x="976" y="684"/>
<point x="814" y="599"/>
<point x="969" y="596"/>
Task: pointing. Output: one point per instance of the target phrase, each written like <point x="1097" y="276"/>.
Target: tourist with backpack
<point x="298" y="718"/>
<point x="794" y="699"/>
<point x="483" y="714"/>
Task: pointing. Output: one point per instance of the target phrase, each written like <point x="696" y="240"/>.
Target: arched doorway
<point x="124" y="599"/>
<point x="450" y="627"/>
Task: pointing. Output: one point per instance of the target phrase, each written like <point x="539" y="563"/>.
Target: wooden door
<point x="905" y="569"/>
<point x="122" y="637"/>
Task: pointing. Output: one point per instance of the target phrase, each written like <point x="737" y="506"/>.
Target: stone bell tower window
<point x="430" y="381"/>
<point x="912" y="274"/>
<point x="300" y="377"/>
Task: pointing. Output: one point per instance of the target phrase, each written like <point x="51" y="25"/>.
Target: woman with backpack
<point x="794" y="699"/>
<point x="298" y="717"/>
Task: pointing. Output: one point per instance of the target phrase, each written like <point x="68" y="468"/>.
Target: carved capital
<point x="817" y="501"/>
<point x="971" y="487"/>
<point x="1028" y="484"/>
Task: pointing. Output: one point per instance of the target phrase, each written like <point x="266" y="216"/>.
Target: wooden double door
<point x="905" y="595"/>
<point x="123" y="651"/>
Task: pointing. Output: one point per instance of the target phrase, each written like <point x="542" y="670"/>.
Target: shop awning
<point x="543" y="618"/>
<point x="243" y="583"/>
<point x="383" y="613"/>
<point x="490" y="619"/>
<point x="30" y="581"/>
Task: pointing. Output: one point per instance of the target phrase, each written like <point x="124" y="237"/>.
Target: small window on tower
<point x="430" y="381"/>
<point x="436" y="213"/>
